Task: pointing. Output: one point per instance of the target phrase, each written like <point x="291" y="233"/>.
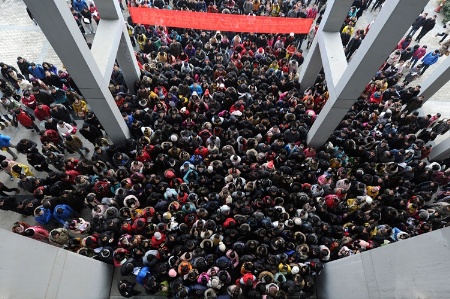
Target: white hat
<point x="295" y="270"/>
<point x="369" y="199"/>
<point x="194" y="93"/>
<point x="158" y="236"/>
<point x="222" y="247"/>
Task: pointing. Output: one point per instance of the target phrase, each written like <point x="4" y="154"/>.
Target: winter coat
<point x="42" y="114"/>
<point x="44" y="97"/>
<point x="62" y="239"/>
<point x="430" y="59"/>
<point x="44" y="218"/>
<point x="81" y="106"/>
<point x="40" y="233"/>
<point x="38" y="72"/>
<point x="65" y="215"/>
<point x="74" y="144"/>
<point x="5" y="141"/>
<point x="24" y="119"/>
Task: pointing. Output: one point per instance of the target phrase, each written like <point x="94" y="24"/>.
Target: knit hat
<point x="423" y="214"/>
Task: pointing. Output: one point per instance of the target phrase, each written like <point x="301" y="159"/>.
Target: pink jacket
<point x="419" y="53"/>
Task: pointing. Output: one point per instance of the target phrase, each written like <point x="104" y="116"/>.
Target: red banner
<point x="218" y="21"/>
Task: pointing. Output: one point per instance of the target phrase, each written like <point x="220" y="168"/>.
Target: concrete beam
<point x="108" y="11"/>
<point x="105" y="46"/>
<point x="333" y="58"/>
<point x="127" y="60"/>
<point x="335" y="14"/>
<point x="389" y="27"/>
<point x="438" y="78"/>
<point x="65" y="37"/>
<point x="311" y="67"/>
<point x="441" y="151"/>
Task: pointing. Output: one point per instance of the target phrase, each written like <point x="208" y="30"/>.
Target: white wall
<point x="413" y="268"/>
<point x="35" y="270"/>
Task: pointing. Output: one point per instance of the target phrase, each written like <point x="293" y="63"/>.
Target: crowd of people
<point x="217" y="194"/>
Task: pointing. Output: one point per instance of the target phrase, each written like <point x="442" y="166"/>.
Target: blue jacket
<point x="4" y="141"/>
<point x="430" y="59"/>
<point x="198" y="89"/>
<point x="143" y="272"/>
<point x="44" y="218"/>
<point x="38" y="72"/>
<point x="66" y="214"/>
<point x="79" y="5"/>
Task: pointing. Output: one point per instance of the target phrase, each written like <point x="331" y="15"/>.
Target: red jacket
<point x="24" y="119"/>
<point x="42" y="114"/>
<point x="29" y="102"/>
<point x="40" y="233"/>
<point x="51" y="136"/>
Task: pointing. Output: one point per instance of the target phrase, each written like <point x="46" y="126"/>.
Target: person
<point x="59" y="236"/>
<point x="74" y="144"/>
<point x="59" y="97"/>
<point x="26" y="146"/>
<point x="126" y="288"/>
<point x="87" y="19"/>
<point x="352" y="46"/>
<point x="24" y="66"/>
<point x="42" y="96"/>
<point x="9" y="105"/>
<point x="63" y="213"/>
<point x="91" y="133"/>
<point x="418" y="54"/>
<point x="29" y="101"/>
<point x="444" y="48"/>
<point x="79" y="5"/>
<point x="418" y="22"/>
<point x="61" y="113"/>
<point x="4" y="190"/>
<point x="42" y="215"/>
<point x="42" y="112"/>
<point x="445" y="33"/>
<point x="36" y="70"/>
<point x="79" y="107"/>
<point x="5" y="144"/>
<point x="428" y="60"/>
<point x="426" y="27"/>
<point x="37" y="233"/>
<point x="38" y="161"/>
<point x="25" y="119"/>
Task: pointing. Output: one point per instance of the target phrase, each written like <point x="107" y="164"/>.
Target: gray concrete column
<point x="389" y="27"/>
<point x="335" y="14"/>
<point x="65" y="37"/>
<point x="441" y="151"/>
<point x="311" y="67"/>
<point x="438" y="78"/>
<point x="127" y="61"/>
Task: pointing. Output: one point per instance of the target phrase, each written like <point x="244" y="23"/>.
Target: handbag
<point x="86" y="21"/>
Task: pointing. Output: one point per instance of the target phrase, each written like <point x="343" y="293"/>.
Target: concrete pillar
<point x="389" y="27"/>
<point x="311" y="67"/>
<point x="441" y="151"/>
<point x="332" y="20"/>
<point x="91" y="70"/>
<point x="438" y="78"/>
